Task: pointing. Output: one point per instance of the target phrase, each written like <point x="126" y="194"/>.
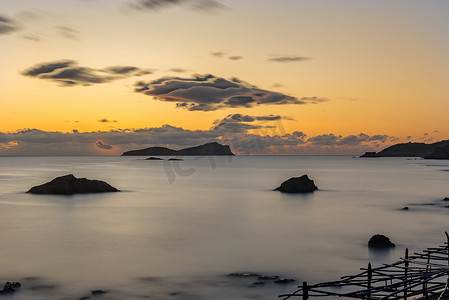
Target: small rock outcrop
<point x="301" y="184"/>
<point x="69" y="185"/>
<point x="10" y="288"/>
<point x="380" y="241"/>
<point x="154" y="158"/>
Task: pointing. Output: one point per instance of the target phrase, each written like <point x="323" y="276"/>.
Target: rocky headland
<point x="438" y="150"/>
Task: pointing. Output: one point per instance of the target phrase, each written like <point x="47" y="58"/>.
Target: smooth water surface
<point x="178" y="228"/>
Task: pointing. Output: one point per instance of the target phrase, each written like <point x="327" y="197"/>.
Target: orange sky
<point x="378" y="68"/>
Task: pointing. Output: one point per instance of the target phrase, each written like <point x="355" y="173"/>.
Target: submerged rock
<point x="98" y="292"/>
<point x="284" y="281"/>
<point x="301" y="184"/>
<point x="380" y="241"/>
<point x="244" y="274"/>
<point x="69" y="184"/>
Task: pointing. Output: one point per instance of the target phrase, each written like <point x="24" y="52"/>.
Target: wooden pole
<point x="447" y="236"/>
<point x="405" y="274"/>
<point x="425" y="293"/>
<point x="370" y="275"/>
<point x="305" y="291"/>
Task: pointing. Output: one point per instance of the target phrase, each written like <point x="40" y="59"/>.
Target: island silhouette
<point x="213" y="148"/>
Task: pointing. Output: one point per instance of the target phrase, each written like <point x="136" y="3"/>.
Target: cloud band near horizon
<point x="244" y="133"/>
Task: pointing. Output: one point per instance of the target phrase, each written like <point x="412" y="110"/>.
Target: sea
<point x="178" y="229"/>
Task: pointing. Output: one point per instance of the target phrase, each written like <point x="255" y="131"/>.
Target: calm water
<point x="178" y="228"/>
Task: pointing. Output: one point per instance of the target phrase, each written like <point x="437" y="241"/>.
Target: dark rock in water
<point x="154" y="158"/>
<point x="268" y="277"/>
<point x="440" y="152"/>
<point x="405" y="208"/>
<point x="380" y="241"/>
<point x="206" y="149"/>
<point x="243" y="274"/>
<point x="301" y="184"/>
<point x="175" y="159"/>
<point x="69" y="184"/>
<point x="10" y="288"/>
<point x="98" y="292"/>
<point x="370" y="154"/>
<point x="446" y="199"/>
<point x="284" y="281"/>
<point x="84" y="298"/>
<point x="257" y="283"/>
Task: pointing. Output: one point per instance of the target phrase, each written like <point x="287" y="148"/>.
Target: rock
<point x="10" y="288"/>
<point x="175" y="159"/>
<point x="284" y="281"/>
<point x="98" y="292"/>
<point x="380" y="241"/>
<point x="446" y="199"/>
<point x="405" y="208"/>
<point x="301" y="184"/>
<point x="69" y="184"/>
<point x="243" y="274"/>
<point x="370" y="154"/>
<point x="154" y="158"/>
<point x="268" y="277"/>
<point x="440" y="152"/>
<point x="257" y="283"/>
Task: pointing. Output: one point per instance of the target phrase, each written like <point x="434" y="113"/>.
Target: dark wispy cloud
<point x="107" y="121"/>
<point x="235" y="123"/>
<point x="100" y="145"/>
<point x="286" y="59"/>
<point x="67" y="32"/>
<point x="155" y="5"/>
<point x="209" y="92"/>
<point x="69" y="73"/>
<point x="218" y="54"/>
<point x="244" y="133"/>
<point x="178" y="70"/>
<point x="7" y="26"/>
<point x="235" y="57"/>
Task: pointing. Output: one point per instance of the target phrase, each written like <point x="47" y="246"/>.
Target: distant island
<point x="206" y="149"/>
<point x="438" y="150"/>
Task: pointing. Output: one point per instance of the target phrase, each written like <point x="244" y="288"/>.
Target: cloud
<point x="286" y="59"/>
<point x="245" y="134"/>
<point x="238" y="123"/>
<point x="69" y="73"/>
<point x="107" y="121"/>
<point x="155" y="5"/>
<point x="67" y="32"/>
<point x="100" y="145"/>
<point x="218" y="54"/>
<point x="7" y="26"/>
<point x="209" y="92"/>
<point x="352" y="140"/>
<point x="178" y="70"/>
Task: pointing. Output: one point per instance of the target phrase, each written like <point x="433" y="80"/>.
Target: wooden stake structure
<point x="418" y="275"/>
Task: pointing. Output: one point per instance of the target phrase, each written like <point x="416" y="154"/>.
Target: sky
<point x="285" y="77"/>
